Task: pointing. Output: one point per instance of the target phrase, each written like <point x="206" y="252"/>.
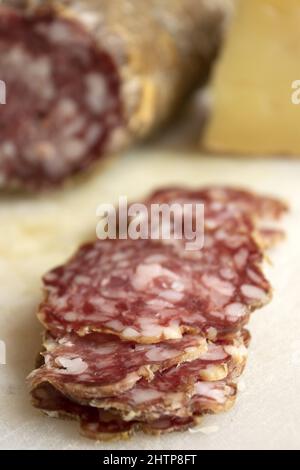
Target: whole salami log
<point x="86" y="77"/>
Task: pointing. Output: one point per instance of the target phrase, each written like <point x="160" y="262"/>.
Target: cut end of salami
<point x="62" y="101"/>
<point x="87" y="77"/>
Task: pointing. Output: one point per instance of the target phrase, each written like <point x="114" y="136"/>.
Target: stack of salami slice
<point x="145" y="335"/>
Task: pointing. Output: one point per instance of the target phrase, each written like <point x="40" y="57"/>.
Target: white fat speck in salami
<point x="71" y="366"/>
<point x="235" y="310"/>
<point x="210" y="391"/>
<point x="253" y="292"/>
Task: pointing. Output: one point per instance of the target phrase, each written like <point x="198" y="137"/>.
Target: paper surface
<point x="39" y="232"/>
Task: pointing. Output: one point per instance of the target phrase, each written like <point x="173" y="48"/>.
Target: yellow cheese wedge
<point x="256" y="84"/>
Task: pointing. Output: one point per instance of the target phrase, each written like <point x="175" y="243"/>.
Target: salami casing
<point x="86" y="77"/>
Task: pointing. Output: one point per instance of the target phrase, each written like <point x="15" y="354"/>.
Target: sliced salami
<point x="106" y="426"/>
<point x="102" y="425"/>
<point x="147" y="292"/>
<point x="223" y="200"/>
<point x="100" y="365"/>
<point x="192" y="388"/>
<point x="199" y="386"/>
<point x="229" y="210"/>
<point x="145" y="335"/>
<point x="95" y="424"/>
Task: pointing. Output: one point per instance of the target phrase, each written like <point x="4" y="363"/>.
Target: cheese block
<point x="256" y="83"/>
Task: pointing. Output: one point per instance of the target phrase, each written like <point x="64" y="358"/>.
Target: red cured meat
<point x="222" y="198"/>
<point x="50" y="125"/>
<point x="147" y="292"/>
<point x="202" y="385"/>
<point x="85" y="78"/>
<point x="100" y="424"/>
<point x="101" y="365"/>
<point x="229" y="210"/>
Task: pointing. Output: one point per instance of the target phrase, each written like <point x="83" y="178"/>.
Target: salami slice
<point x="219" y="198"/>
<point x="229" y="210"/>
<point x="149" y="404"/>
<point x="167" y="424"/>
<point x="86" y="77"/>
<point x="102" y="365"/>
<point x="95" y="424"/>
<point x="146" y="292"/>
<point x="99" y="424"/>
<point x="199" y="386"/>
<point x="192" y="388"/>
<point x="109" y="427"/>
